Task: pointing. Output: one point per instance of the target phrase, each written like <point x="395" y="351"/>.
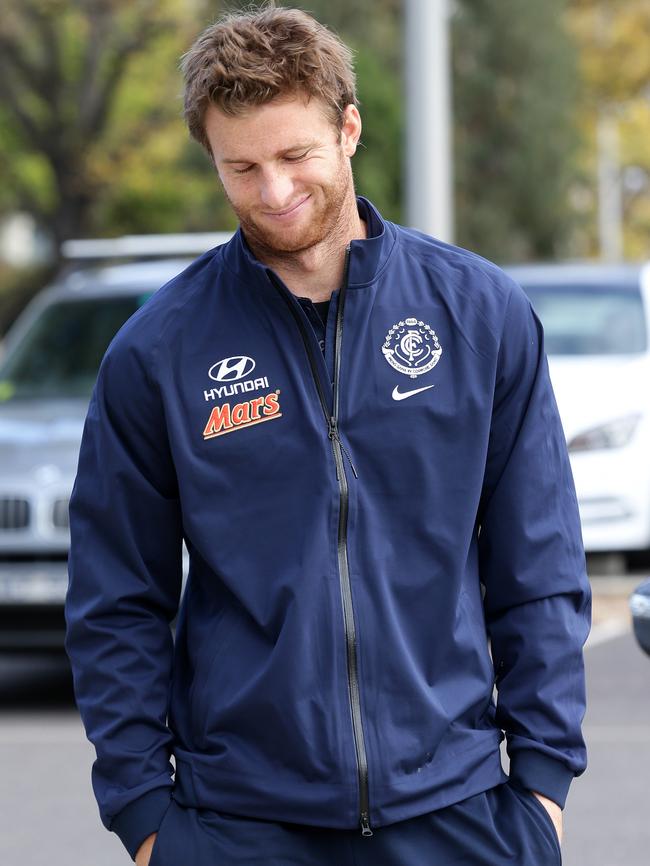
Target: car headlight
<point x="640" y="608"/>
<point x="640" y="605"/>
<point x="614" y="434"/>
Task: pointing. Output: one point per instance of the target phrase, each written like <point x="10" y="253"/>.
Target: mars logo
<point x="226" y="418"/>
<point x="231" y="369"/>
<point x="411" y="347"/>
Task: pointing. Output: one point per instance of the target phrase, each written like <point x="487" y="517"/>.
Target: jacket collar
<point x="367" y="257"/>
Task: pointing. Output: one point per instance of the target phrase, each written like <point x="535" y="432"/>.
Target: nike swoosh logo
<point x="402" y="395"/>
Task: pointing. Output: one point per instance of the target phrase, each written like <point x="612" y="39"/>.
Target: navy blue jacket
<point x="377" y="537"/>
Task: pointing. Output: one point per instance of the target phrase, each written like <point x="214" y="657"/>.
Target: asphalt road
<point x="48" y="816"/>
<point x="606" y="818"/>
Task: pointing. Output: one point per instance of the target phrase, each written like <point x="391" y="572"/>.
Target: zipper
<point x="334" y="435"/>
<point x="342" y="545"/>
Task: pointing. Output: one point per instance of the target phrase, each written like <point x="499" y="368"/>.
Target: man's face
<point x="285" y="169"/>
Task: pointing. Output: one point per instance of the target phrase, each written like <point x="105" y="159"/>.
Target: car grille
<point x="60" y="517"/>
<point x="14" y="513"/>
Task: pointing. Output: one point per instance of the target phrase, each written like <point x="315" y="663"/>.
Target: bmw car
<point x="47" y="371"/>
<point x="596" y="320"/>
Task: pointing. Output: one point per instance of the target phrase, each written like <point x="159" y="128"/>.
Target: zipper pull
<point x="333" y="433"/>
<point x="365" y="825"/>
<point x="344" y="449"/>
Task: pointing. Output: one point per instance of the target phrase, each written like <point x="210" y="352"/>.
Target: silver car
<point x="48" y="368"/>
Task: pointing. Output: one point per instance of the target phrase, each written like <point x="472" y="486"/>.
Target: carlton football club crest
<point x="411" y="347"/>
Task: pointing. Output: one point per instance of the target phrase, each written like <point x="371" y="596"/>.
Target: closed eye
<point x="298" y="157"/>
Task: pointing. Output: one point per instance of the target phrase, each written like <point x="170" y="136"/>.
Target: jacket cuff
<point x="141" y="818"/>
<point x="538" y="772"/>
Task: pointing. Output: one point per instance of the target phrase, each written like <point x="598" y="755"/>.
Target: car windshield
<point x="59" y="355"/>
<point x="590" y="320"/>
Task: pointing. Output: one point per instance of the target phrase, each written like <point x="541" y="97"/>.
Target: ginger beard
<point x="325" y="213"/>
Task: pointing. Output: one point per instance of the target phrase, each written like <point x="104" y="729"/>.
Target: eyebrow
<point x="307" y="145"/>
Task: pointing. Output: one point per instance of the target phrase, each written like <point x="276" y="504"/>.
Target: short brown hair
<point x="250" y="58"/>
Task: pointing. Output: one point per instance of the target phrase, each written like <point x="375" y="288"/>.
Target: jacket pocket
<point x="545" y="818"/>
<point x="158" y="850"/>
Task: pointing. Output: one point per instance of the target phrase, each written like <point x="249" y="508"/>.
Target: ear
<point x="351" y="129"/>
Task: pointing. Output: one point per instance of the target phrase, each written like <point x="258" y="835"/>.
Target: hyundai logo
<point x="231" y="369"/>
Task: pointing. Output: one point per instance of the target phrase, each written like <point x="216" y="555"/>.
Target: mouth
<point x="291" y="211"/>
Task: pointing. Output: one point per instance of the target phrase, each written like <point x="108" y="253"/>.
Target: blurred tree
<point x="515" y="137"/>
<point x="613" y="40"/>
<point x="92" y="137"/>
<point x="614" y="37"/>
<point x="89" y="103"/>
<point x="514" y="81"/>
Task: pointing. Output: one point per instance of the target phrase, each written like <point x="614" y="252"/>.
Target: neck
<point x="316" y="272"/>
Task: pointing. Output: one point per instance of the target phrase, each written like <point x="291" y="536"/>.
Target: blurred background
<point x="546" y="163"/>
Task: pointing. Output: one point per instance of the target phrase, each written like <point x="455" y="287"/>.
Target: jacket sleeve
<point x="125" y="580"/>
<point x="532" y="565"/>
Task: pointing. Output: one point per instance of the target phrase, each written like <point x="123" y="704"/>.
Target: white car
<point x="596" y="321"/>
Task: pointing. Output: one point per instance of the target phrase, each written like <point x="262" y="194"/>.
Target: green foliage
<point x="93" y="141"/>
<point x="514" y="94"/>
<point x="377" y="163"/>
<point x="155" y="179"/>
<point x="614" y="56"/>
<point x="613" y="39"/>
<point x="77" y="106"/>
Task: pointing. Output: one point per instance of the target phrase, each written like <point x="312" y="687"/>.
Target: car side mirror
<point x="640" y="609"/>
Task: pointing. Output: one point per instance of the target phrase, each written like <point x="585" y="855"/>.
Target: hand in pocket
<point x="554" y="811"/>
<point x="143" y="854"/>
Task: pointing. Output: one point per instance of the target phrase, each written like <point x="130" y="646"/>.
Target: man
<point x="365" y="569"/>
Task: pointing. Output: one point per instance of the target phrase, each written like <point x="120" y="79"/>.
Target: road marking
<point x="606" y="631"/>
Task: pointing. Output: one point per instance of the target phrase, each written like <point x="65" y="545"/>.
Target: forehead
<point x="263" y="131"/>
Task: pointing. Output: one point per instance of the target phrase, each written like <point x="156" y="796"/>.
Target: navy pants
<point x="505" y="825"/>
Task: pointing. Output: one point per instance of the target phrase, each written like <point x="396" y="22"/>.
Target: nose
<point x="276" y="188"/>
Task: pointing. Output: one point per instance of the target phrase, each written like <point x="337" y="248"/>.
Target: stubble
<point x="326" y="225"/>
